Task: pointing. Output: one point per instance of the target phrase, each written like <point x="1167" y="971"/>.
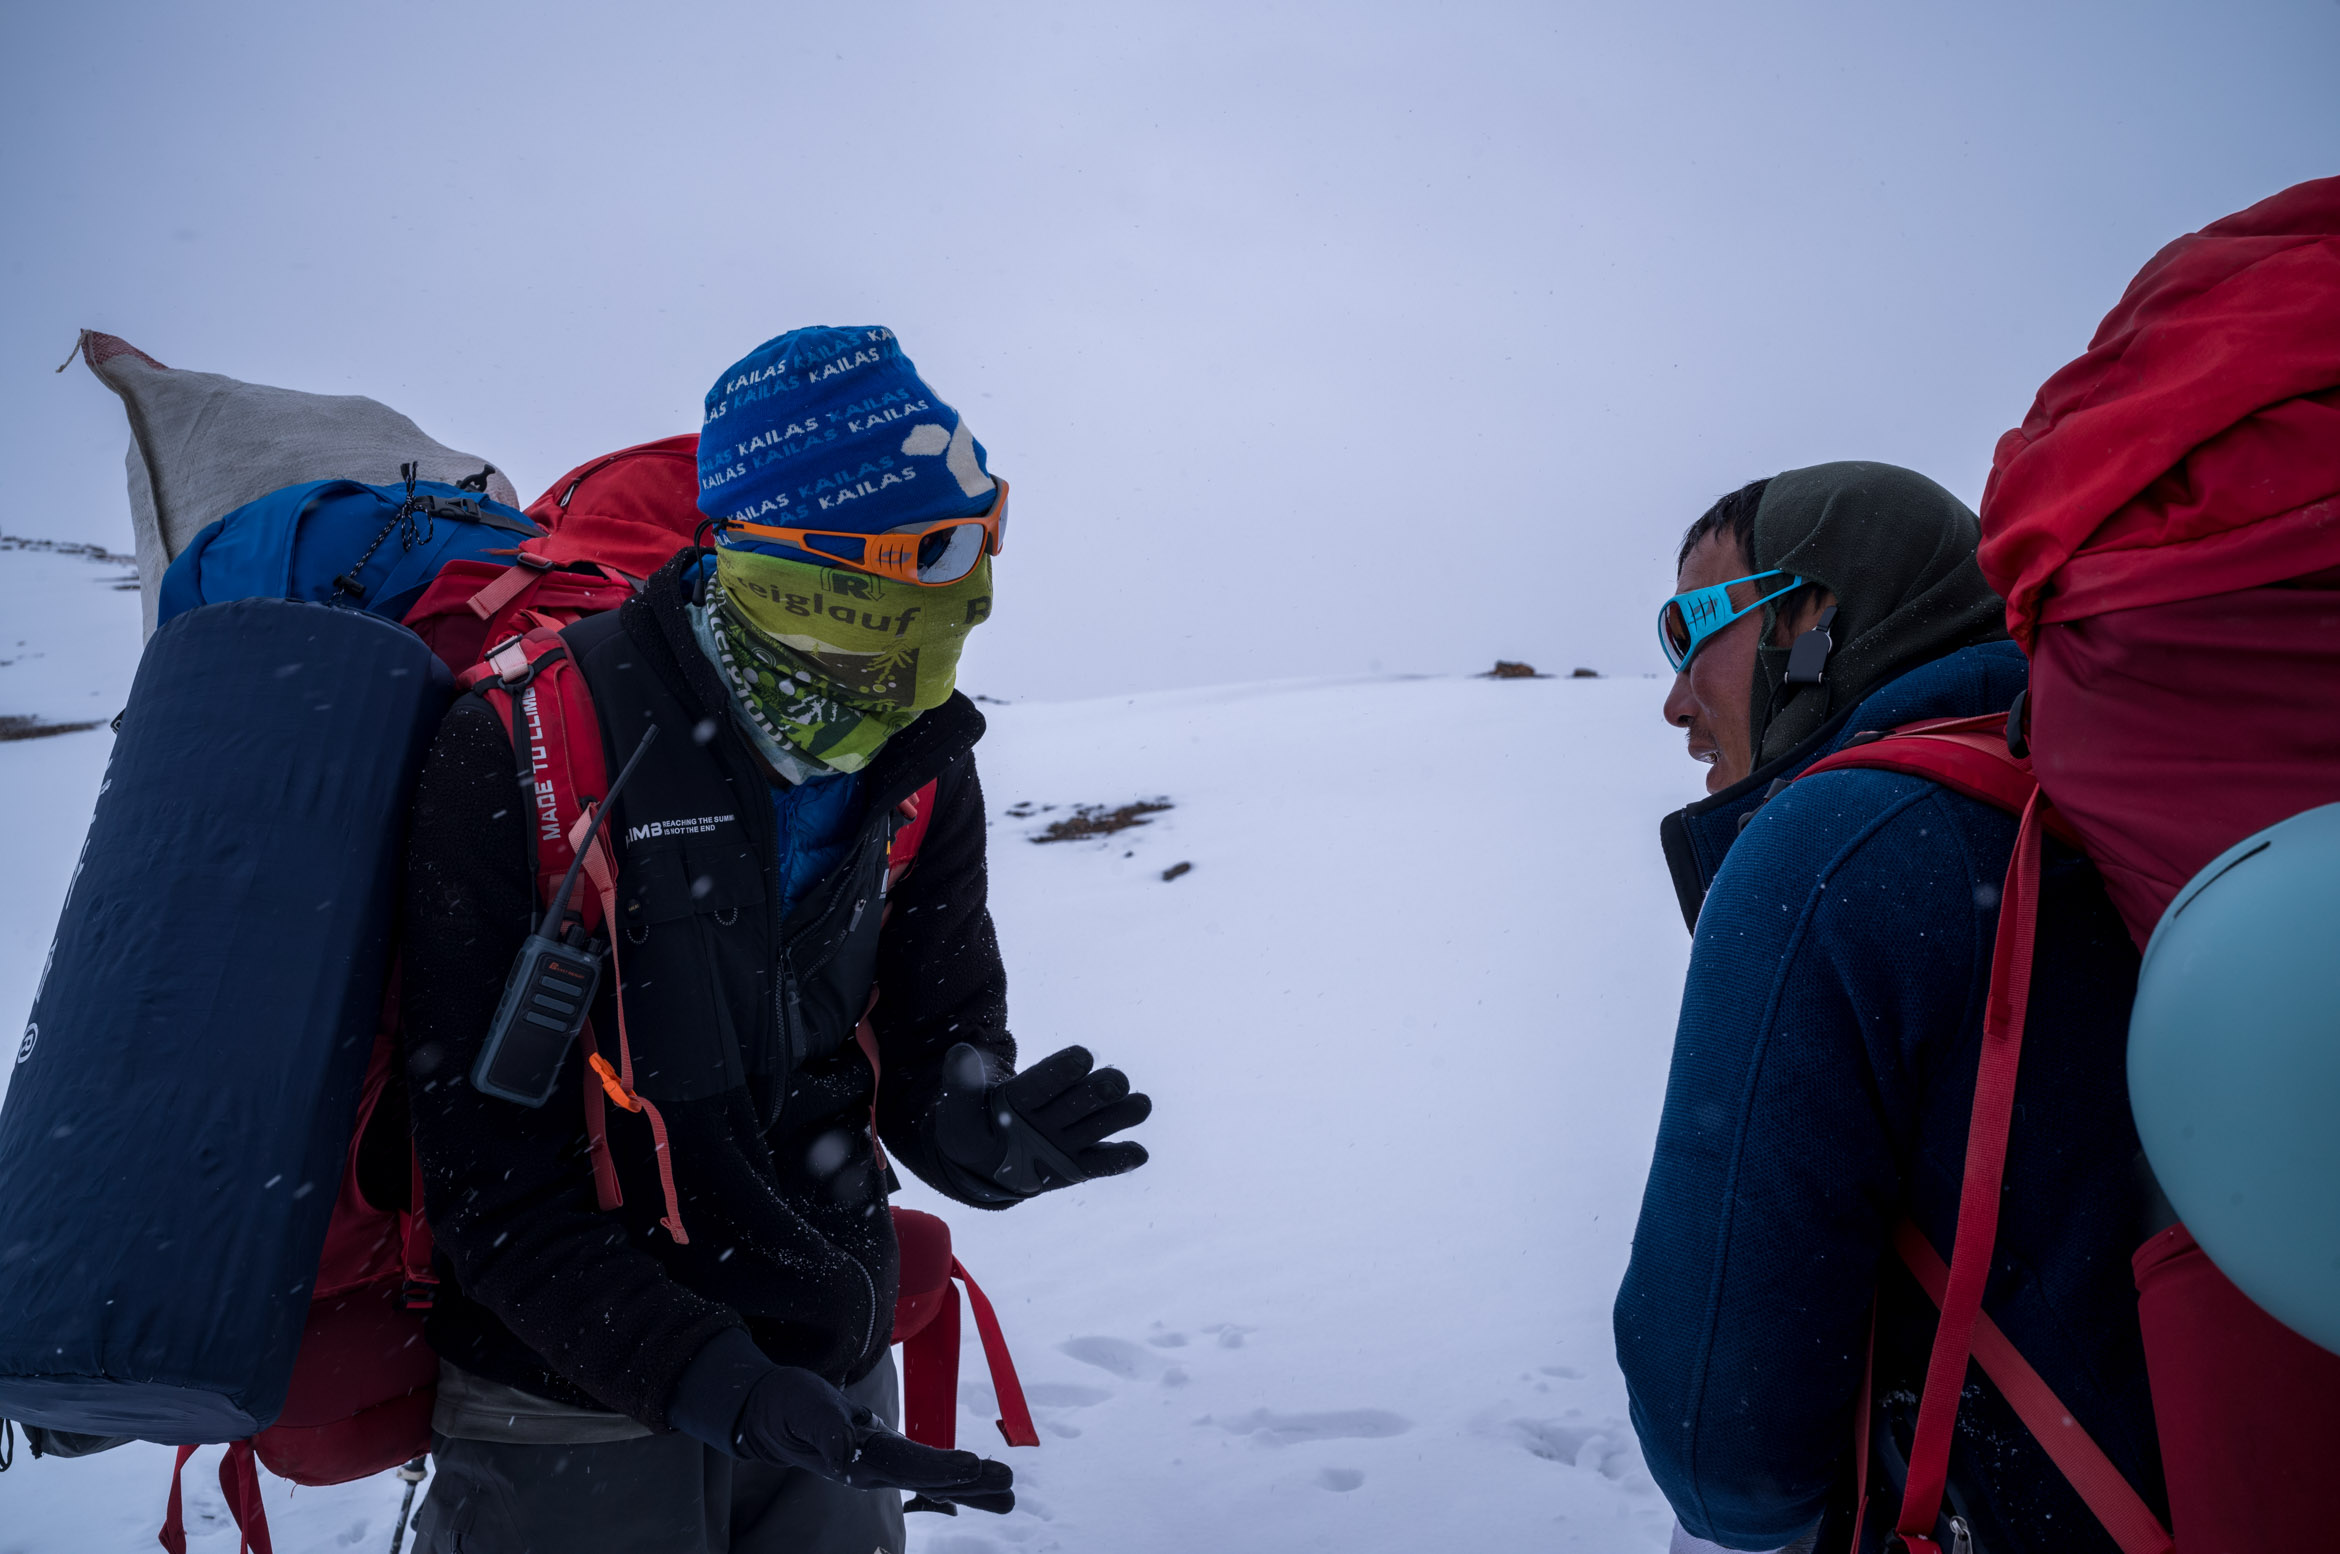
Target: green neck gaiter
<point x="828" y="664"/>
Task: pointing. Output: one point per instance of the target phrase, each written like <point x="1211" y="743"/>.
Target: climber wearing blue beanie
<point x="833" y="428"/>
<point x="705" y="1366"/>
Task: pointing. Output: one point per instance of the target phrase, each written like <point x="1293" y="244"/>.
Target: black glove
<point x="1016" y="1136"/>
<point x="735" y="1399"/>
<point x="794" y="1417"/>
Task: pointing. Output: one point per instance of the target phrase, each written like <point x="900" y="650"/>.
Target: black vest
<point x="720" y="994"/>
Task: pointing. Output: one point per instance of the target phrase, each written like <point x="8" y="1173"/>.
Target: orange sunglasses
<point x="931" y="555"/>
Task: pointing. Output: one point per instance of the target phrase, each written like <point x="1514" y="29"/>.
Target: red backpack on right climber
<point x="2165" y="529"/>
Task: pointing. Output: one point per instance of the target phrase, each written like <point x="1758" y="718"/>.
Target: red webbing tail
<point x="174" y="1528"/>
<point x="603" y="874"/>
<point x="1015" y="1416"/>
<point x="1978" y="1198"/>
<point x="930" y="1377"/>
<point x="239" y="1481"/>
<point x="502" y="590"/>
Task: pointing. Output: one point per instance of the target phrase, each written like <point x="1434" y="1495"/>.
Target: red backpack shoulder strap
<point x="1971" y="756"/>
<point x="535" y="687"/>
<point x="533" y="683"/>
<point x="1965" y="755"/>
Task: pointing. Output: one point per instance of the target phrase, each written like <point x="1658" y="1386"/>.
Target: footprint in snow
<point x="1351" y="1424"/>
<point x="1607" y="1447"/>
<point x="1117" y="1355"/>
<point x="1339" y="1480"/>
<point x="961" y="1543"/>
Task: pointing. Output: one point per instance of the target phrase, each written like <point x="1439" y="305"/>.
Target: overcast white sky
<point x="1314" y="338"/>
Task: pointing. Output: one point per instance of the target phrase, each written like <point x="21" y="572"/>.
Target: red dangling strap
<point x="1015" y="1416"/>
<point x="930" y="1372"/>
<point x="239" y="1481"/>
<point x="930" y="1376"/>
<point x="618" y="1084"/>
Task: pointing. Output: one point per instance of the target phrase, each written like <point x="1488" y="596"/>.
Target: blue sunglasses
<point x="1687" y="620"/>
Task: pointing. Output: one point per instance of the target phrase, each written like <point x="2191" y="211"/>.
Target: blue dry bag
<point x="183" y="1097"/>
<point x="337" y="542"/>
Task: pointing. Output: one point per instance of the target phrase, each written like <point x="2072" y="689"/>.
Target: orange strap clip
<point x="610" y="1082"/>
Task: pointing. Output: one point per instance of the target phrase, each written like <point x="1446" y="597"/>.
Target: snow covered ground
<point x="1405" y="1022"/>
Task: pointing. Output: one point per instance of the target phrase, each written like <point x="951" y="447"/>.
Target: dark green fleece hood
<point x="1898" y="552"/>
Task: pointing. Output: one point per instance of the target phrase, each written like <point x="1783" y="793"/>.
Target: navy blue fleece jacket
<point x="1823" y="1074"/>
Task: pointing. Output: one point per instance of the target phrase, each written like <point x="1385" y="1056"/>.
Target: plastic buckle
<point x="511" y="663"/>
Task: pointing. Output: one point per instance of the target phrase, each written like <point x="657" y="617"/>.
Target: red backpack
<point x="365" y="1380"/>
<point x="2165" y="529"/>
<point x="609" y="523"/>
<point x="2245" y="1408"/>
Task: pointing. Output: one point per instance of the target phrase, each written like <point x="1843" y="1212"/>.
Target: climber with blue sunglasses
<point x="1688" y="620"/>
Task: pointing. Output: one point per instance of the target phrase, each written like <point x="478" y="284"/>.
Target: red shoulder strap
<point x="537" y="690"/>
<point x="536" y="687"/>
<point x="1970" y="756"/>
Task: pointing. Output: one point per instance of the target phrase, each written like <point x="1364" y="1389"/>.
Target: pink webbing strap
<point x="505" y="586"/>
<point x="618" y="1084"/>
<point x="1015" y="1416"/>
<point x="2090" y="1472"/>
<point x="239" y="1481"/>
<point x="1978" y="1198"/>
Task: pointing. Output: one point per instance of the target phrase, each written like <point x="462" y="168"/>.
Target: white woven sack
<point x="202" y="445"/>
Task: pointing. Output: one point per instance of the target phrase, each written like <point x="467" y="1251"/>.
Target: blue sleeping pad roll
<point x="177" y="1121"/>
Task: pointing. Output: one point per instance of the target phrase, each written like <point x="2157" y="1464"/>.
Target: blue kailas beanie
<point x="833" y="429"/>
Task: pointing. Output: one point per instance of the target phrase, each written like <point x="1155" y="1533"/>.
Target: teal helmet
<point x="2234" y="1066"/>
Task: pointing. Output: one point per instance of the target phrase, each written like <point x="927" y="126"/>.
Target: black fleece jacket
<point x="541" y="1290"/>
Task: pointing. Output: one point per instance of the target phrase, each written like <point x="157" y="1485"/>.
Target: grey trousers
<point x="656" y="1494"/>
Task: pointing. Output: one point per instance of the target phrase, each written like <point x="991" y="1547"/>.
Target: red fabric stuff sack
<point x="365" y="1378"/>
<point x="610" y="522"/>
<point x="2165" y="529"/>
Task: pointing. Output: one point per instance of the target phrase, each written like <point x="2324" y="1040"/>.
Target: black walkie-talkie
<point x="551" y="988"/>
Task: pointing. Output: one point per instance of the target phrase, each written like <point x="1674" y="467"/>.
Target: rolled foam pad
<point x="176" y="1126"/>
